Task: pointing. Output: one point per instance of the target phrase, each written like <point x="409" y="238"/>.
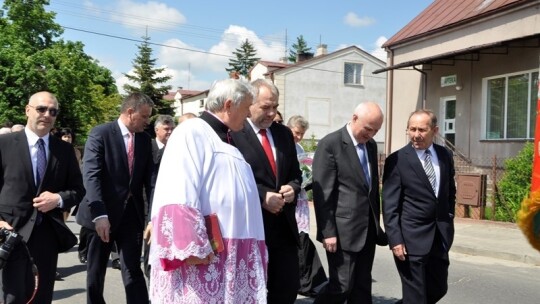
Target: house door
<point x="448" y="123"/>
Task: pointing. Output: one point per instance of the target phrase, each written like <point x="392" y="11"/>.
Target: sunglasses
<point x="42" y="109"/>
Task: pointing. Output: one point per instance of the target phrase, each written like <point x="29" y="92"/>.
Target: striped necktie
<point x="430" y="172"/>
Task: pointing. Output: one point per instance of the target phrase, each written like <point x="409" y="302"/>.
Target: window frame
<point x="359" y="78"/>
<point x="486" y="105"/>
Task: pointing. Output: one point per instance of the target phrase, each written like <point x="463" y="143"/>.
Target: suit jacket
<point x="341" y="194"/>
<point x="279" y="229"/>
<point x="18" y="189"/>
<point x="412" y="212"/>
<point x="107" y="179"/>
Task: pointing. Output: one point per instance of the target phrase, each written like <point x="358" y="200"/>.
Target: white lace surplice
<point x="200" y="175"/>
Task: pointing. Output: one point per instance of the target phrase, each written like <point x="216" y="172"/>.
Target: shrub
<point x="514" y="185"/>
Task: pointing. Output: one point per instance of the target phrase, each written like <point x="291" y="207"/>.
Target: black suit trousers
<point x="17" y="277"/>
<point x="128" y="239"/>
<point x="424" y="279"/>
<point x="350" y="274"/>
<point x="283" y="274"/>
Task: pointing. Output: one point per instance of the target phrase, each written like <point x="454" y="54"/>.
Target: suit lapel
<point x="118" y="141"/>
<point x="443" y="169"/>
<point x="417" y="167"/>
<point x="354" y="161"/>
<point x="21" y="146"/>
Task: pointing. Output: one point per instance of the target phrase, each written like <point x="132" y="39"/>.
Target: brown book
<point x="214" y="232"/>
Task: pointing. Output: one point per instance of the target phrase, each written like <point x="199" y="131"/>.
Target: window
<point x="511" y="106"/>
<point x="353" y="73"/>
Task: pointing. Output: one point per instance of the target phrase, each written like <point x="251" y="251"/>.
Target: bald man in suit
<point x="39" y="177"/>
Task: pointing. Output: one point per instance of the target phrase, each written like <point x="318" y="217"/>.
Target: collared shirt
<point x="125" y="134"/>
<point x="160" y="145"/>
<point x="32" y="139"/>
<point x="355" y="143"/>
<point x="268" y="134"/>
<point x="434" y="161"/>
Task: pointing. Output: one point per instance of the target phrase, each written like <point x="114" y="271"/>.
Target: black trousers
<point x="424" y="279"/>
<point x="311" y="270"/>
<point x="18" y="281"/>
<point x="349" y="274"/>
<point x="128" y="239"/>
<point x="283" y="275"/>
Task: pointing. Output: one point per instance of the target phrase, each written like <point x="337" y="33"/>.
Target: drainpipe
<point x="424" y="86"/>
<point x="389" y="103"/>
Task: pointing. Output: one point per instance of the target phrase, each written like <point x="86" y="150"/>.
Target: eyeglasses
<point x="42" y="109"/>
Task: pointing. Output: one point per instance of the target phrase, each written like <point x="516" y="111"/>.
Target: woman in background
<point x="312" y="274"/>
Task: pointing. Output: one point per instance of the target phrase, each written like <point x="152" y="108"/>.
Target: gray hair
<point x="135" y="101"/>
<point x="258" y="83"/>
<point x="298" y="121"/>
<point x="164" y="120"/>
<point x="235" y="89"/>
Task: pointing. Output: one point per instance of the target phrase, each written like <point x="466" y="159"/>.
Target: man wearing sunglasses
<point x="39" y="175"/>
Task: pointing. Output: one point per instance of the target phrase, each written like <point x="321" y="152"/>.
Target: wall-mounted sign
<point x="449" y="80"/>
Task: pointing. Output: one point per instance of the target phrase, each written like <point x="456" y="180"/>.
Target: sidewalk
<point x="493" y="239"/>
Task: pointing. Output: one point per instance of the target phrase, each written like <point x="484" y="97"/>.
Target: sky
<point x="194" y="40"/>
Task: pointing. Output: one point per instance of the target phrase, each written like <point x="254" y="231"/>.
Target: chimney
<point x="303" y="56"/>
<point x="322" y="49"/>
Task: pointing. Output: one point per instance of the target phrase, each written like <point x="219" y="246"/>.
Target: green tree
<point x="146" y="75"/>
<point x="31" y="60"/>
<point x="245" y="59"/>
<point x="298" y="48"/>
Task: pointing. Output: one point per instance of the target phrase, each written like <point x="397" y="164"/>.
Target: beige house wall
<point x="406" y="87"/>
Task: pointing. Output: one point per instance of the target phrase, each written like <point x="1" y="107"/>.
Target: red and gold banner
<point x="529" y="215"/>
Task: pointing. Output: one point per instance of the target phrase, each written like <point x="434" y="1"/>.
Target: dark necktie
<point x="428" y="167"/>
<point x="268" y="150"/>
<point x="41" y="163"/>
<point x="131" y="152"/>
<point x="364" y="162"/>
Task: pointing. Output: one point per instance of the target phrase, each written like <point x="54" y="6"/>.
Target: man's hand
<point x="330" y="244"/>
<point x="5" y="225"/>
<point x="192" y="260"/>
<point x="147" y="236"/>
<point x="287" y="193"/>
<point x="103" y="228"/>
<point x="400" y="252"/>
<point x="46" y="201"/>
<point x="273" y="203"/>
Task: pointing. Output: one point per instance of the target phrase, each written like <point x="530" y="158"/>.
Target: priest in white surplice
<point x="203" y="173"/>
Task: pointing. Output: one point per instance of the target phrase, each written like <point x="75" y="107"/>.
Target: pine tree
<point x="245" y="59"/>
<point x="298" y="48"/>
<point x="146" y="76"/>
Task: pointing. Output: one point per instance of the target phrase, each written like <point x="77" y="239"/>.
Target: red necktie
<point x="131" y="152"/>
<point x="268" y="150"/>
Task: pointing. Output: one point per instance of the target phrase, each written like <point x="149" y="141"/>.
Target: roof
<point x="185" y="93"/>
<point x="443" y="14"/>
<point x="499" y="47"/>
<point x="317" y="58"/>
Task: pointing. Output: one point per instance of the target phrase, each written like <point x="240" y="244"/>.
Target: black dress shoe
<point x="82" y="258"/>
<point x="57" y="276"/>
<point x="116" y="264"/>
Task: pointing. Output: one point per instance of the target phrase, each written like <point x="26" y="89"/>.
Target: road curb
<point x="522" y="258"/>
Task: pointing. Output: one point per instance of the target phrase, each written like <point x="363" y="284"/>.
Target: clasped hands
<point x="275" y="201"/>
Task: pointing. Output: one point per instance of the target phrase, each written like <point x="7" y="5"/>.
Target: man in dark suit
<point x="347" y="205"/>
<point x="278" y="178"/>
<point x="163" y="126"/>
<point x="117" y="166"/>
<point x="419" y="196"/>
<point x="39" y="177"/>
